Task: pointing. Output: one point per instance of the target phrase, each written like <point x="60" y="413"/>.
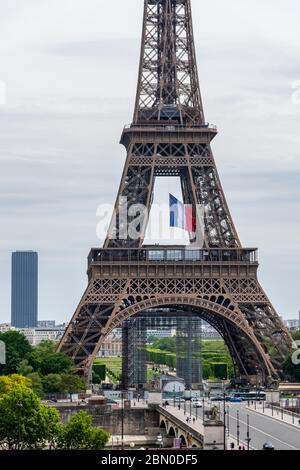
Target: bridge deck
<point x="179" y="418"/>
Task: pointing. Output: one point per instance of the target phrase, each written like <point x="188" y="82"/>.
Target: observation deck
<point x="172" y="261"/>
<point x="168" y="132"/>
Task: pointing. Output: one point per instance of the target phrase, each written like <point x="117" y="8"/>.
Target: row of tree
<point x="48" y="371"/>
<point x="291" y="366"/>
<point x="27" y="424"/>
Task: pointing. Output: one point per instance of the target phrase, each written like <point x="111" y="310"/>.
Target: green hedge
<point x="160" y="357"/>
<point x="215" y="364"/>
<point x="220" y="370"/>
<point x="100" y="371"/>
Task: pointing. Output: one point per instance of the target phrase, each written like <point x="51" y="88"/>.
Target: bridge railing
<point x="181" y="424"/>
<point x="159" y="254"/>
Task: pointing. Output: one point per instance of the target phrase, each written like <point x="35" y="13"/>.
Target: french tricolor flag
<point x="182" y="215"/>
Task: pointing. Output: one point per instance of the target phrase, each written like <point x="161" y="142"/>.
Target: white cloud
<point x="71" y="69"/>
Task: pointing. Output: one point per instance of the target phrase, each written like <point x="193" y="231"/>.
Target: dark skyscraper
<point x="24" y="293"/>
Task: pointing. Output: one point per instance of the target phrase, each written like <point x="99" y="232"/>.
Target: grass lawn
<point x="113" y="364"/>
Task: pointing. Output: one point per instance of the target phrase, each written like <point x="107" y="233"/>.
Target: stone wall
<point x="137" y="421"/>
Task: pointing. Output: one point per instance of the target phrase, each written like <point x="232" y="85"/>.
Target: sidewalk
<point x="284" y="416"/>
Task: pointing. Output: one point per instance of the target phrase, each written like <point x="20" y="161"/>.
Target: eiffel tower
<point x="218" y="282"/>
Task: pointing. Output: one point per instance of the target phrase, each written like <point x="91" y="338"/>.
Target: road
<point x="262" y="429"/>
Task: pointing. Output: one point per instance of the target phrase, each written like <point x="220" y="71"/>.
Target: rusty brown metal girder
<point x="225" y="299"/>
<point x="169" y="137"/>
<point x="168" y="73"/>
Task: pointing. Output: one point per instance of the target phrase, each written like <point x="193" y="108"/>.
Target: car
<point x="217" y="398"/>
<point x="197" y="404"/>
<point x="268" y="446"/>
<point x="234" y="400"/>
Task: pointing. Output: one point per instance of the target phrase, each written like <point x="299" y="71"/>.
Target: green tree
<point x="79" y="434"/>
<point x="165" y="344"/>
<point x="46" y="347"/>
<point x="46" y="361"/>
<point x="52" y="383"/>
<point x="36" y="384"/>
<point x="24" y="368"/>
<point x="26" y="423"/>
<point x="71" y="383"/>
<point x="10" y="382"/>
<point x="296" y="335"/>
<point x="291" y="369"/>
<point x="17" y="346"/>
<point x="55" y="363"/>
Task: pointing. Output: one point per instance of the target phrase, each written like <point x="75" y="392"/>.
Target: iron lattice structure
<point x="169" y="137"/>
<point x="188" y="345"/>
<point x="168" y="85"/>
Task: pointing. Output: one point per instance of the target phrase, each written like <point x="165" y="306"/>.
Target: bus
<point x="250" y="396"/>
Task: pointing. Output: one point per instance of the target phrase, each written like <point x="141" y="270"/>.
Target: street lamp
<point x="122" y="419"/>
<point x="256" y="397"/>
<point x="224" y="415"/>
<point x="228" y="421"/>
<point x="238" y="427"/>
<point x="248" y="439"/>
<point x="272" y="404"/>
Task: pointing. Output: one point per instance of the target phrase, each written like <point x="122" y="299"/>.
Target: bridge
<point x="177" y="423"/>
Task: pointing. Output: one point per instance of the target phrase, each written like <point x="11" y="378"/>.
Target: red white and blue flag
<point x="182" y="215"/>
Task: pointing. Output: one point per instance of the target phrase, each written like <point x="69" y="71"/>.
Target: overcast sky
<point x="70" y="69"/>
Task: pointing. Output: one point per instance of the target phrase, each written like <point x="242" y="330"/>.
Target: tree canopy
<point x="25" y="422"/>
<point x="10" y="382"/>
<point x="291" y="369"/>
<point x="44" y="359"/>
<point x="79" y="434"/>
<point x="17" y="346"/>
